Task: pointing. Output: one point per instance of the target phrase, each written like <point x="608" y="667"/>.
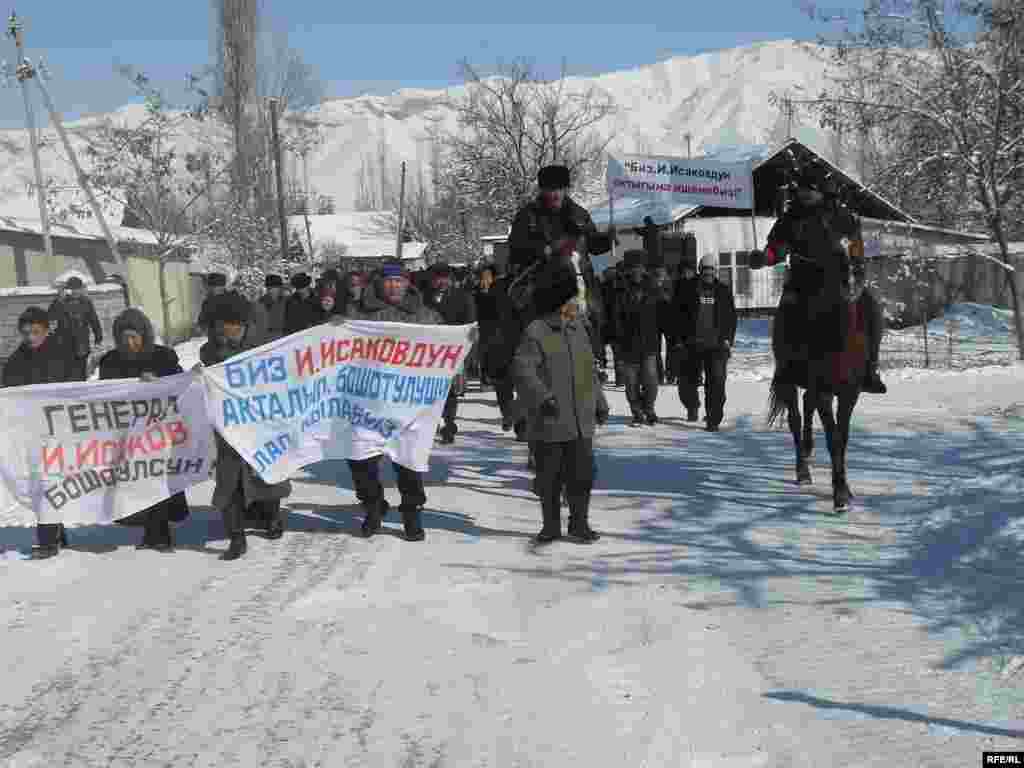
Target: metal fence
<point x="907" y="349"/>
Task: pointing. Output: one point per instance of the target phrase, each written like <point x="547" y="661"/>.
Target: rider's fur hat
<point x="554" y="177"/>
<point x="555" y="286"/>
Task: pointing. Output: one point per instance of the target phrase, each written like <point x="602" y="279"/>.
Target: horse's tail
<point x="778" y="403"/>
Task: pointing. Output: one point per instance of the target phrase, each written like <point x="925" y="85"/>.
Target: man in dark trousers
<point x="138" y="356"/>
<point x="707" y="321"/>
<point x="39" y="359"/>
<point x="639" y="340"/>
<point x="75" y="318"/>
<point x="302" y="310"/>
<point x="687" y="282"/>
<point x="556" y="376"/>
<point x="239" y="493"/>
<point x="273" y="302"/>
<point x="664" y="293"/>
<point x="456" y="307"/>
<point x="390" y="299"/>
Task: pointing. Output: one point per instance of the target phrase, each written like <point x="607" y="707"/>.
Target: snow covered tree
<point x="509" y="126"/>
<point x="941" y="92"/>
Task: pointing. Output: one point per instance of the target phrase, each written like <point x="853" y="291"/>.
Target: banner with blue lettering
<point x="348" y="391"/>
<point x="93" y="452"/>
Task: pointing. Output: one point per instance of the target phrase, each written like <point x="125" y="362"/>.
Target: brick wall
<point x="108" y="299"/>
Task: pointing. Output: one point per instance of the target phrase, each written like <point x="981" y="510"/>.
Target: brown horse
<point x="827" y="372"/>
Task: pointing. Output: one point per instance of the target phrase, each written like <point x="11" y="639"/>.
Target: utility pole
<point x="689" y="153"/>
<point x="401" y="215"/>
<point x="282" y="221"/>
<point x="25" y="72"/>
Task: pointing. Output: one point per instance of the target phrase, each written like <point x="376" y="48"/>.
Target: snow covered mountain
<point x="719" y="98"/>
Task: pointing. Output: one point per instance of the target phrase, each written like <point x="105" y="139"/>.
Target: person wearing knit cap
<point x="138" y="356"/>
<point x="273" y="304"/>
<point x="556" y="378"/>
<point x="239" y="493"/>
<point x="390" y="298"/>
<point x="39" y="359"/>
<point x="302" y="310"/>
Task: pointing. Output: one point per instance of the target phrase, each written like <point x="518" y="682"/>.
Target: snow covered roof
<point x="366" y="234"/>
<point x="87" y="229"/>
<point x="630" y="212"/>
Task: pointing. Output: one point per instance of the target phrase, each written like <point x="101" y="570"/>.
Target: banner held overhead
<point x="677" y="181"/>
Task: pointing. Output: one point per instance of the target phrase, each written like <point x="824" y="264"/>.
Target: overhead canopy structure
<point x="631" y="211"/>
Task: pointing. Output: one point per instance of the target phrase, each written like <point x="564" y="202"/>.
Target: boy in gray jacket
<point x="556" y="376"/>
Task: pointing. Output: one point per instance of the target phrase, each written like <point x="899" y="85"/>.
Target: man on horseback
<point x="809" y="232"/>
<point x="553" y="227"/>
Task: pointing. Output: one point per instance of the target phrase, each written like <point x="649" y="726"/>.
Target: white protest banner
<point x="93" y="452"/>
<point x="676" y="181"/>
<point x="350" y="391"/>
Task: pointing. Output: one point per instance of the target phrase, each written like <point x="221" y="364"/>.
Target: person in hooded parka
<point x="137" y="356"/>
<point x="239" y="493"/>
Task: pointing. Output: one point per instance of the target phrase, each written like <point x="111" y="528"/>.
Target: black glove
<point x="549" y="407"/>
<point x="757" y="260"/>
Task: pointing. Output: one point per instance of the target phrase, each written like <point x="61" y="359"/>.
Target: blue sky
<point x="356" y="51"/>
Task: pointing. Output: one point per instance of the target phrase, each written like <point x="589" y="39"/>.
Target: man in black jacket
<point x="137" y="356"/>
<point x="274" y="302"/>
<point x="302" y="310"/>
<point x="216" y="285"/>
<point x="639" y="339"/>
<point x="707" y="324"/>
<point x="75" y="317"/>
<point x="553" y="227"/>
<point x="40" y="359"/>
<point x="456" y="306"/>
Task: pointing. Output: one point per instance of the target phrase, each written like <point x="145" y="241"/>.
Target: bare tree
<point x="512" y="124"/>
<point x="943" y="96"/>
<point x="236" y="29"/>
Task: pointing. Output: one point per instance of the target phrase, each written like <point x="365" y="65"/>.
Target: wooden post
<point x="753" y="206"/>
<point x="401" y="215"/>
<point x="25" y="72"/>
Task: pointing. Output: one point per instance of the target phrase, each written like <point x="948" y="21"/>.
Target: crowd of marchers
<point x="545" y="323"/>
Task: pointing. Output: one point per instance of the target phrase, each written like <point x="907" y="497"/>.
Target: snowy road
<point x="721" y="621"/>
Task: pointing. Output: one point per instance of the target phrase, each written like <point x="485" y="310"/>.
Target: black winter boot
<point x="692" y="414"/>
<point x="412" y="523"/>
<point x="237" y="547"/>
<point x="374" y="516"/>
<point x="873" y="383"/>
<point x="579" y="526"/>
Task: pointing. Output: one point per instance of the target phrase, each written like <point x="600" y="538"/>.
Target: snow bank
<point x="976" y="321"/>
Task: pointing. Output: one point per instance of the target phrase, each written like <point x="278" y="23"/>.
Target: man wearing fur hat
<point x="302" y="310"/>
<point x="137" y="356"/>
<point x="390" y="299"/>
<point x="273" y="303"/>
<point x="239" y="492"/>
<point x="556" y="377"/>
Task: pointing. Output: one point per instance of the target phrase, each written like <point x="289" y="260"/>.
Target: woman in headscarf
<point x="137" y="356"/>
